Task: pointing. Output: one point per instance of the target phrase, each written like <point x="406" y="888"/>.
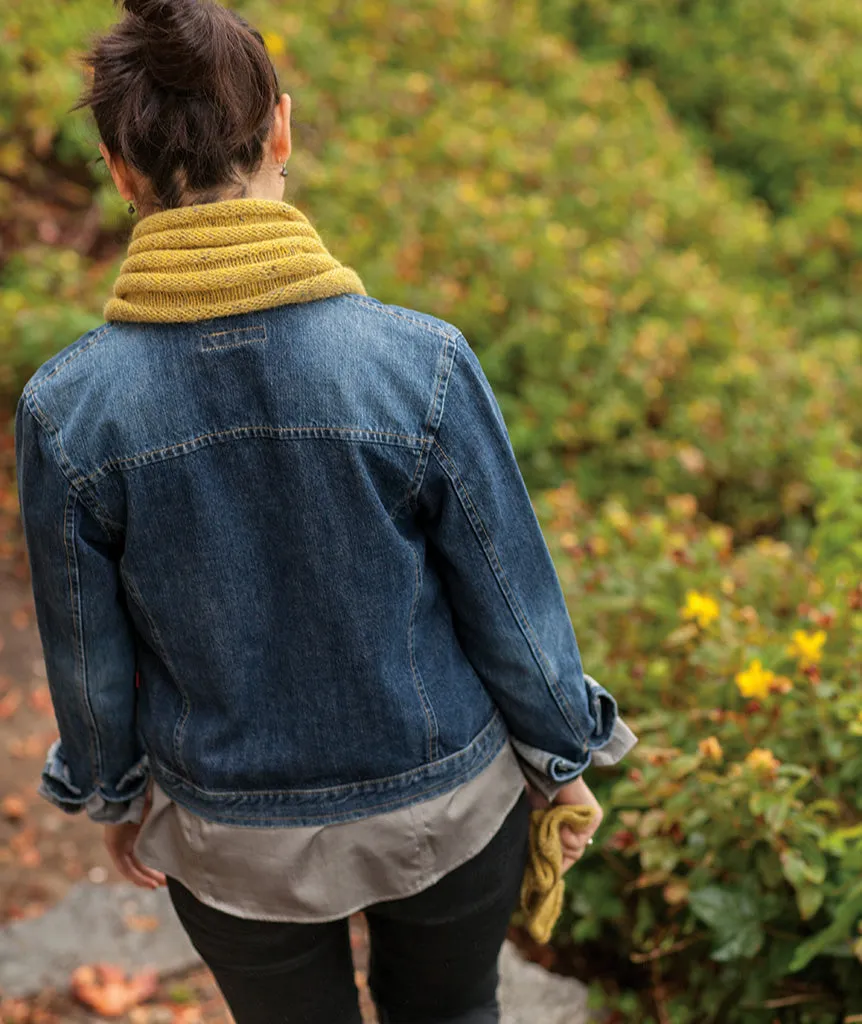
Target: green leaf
<point x="732" y="916"/>
<point x="799" y="872"/>
<point x="809" y="899"/>
<point x="845" y="918"/>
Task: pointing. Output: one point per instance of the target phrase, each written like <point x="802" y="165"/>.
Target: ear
<point x="119" y="172"/>
<point x="281" y="144"/>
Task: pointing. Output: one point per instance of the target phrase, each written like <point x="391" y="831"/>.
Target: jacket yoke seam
<point x="192" y="444"/>
<point x="483" y="536"/>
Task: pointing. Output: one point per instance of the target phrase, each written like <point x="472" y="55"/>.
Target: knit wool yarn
<point x="216" y="259"/>
<point x="543" y="887"/>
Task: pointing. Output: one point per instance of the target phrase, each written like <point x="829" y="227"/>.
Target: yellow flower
<point x="807" y="647"/>
<point x="755" y="681"/>
<point x="762" y="760"/>
<point x="711" y="748"/>
<point x="274" y="43"/>
<point x="700" y="607"/>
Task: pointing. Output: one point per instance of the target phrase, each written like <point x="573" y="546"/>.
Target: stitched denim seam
<point x="429" y="791"/>
<point x="33" y="388"/>
<point x="430" y="716"/>
<point x="435" y="416"/>
<point x="352" y="434"/>
<point x="237" y="330"/>
<point x="179" y="728"/>
<point x="398" y="316"/>
<point x="71" y="474"/>
<point x="343" y="788"/>
<point x="484" y="538"/>
<point x="71" y="552"/>
<point x="259" y="339"/>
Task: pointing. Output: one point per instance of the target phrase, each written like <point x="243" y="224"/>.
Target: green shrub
<point x="771" y="90"/>
<point x="730" y="873"/>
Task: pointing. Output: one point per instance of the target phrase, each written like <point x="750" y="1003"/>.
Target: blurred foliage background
<point x="646" y="216"/>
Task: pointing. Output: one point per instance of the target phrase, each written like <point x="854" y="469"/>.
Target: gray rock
<point x="531" y="995"/>
<point x="92" y="925"/>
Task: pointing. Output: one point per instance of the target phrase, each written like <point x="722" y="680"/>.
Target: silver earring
<point x="131" y="208"/>
<point x="283" y="171"/>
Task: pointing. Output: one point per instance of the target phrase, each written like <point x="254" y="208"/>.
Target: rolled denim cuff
<point x="124" y="804"/>
<point x="548" y="773"/>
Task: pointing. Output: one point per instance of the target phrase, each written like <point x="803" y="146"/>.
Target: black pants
<point x="433" y="955"/>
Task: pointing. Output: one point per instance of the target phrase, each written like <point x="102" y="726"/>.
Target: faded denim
<point x="304" y="533"/>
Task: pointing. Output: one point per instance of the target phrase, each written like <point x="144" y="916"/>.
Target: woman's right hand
<point x="575" y="843"/>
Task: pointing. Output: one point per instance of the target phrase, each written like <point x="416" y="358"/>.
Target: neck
<point x="259" y="187"/>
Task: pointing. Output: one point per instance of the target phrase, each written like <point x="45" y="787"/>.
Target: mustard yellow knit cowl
<point x="217" y="259"/>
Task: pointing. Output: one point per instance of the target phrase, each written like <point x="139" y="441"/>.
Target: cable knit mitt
<point x="542" y="888"/>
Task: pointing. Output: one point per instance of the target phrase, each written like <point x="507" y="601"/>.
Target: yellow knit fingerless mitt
<point x="543" y="886"/>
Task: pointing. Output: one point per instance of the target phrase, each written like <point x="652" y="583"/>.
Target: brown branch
<point x="776" y="1004"/>
<point x="657" y="954"/>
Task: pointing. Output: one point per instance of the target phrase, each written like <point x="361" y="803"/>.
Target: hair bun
<point x="180" y="50"/>
<point x="156" y="12"/>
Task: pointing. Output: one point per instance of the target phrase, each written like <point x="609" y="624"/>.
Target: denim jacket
<point x="286" y="563"/>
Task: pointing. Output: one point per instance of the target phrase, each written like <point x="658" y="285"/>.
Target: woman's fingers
<point x="120" y="843"/>
<point x="149" y="877"/>
<point x="574" y="846"/>
<point x="156" y="878"/>
<point x="574" y="843"/>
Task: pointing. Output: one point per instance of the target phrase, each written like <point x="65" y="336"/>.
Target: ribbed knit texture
<point x="543" y="886"/>
<point x="216" y="259"/>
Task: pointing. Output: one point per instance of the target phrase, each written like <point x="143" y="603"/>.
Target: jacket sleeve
<point x="98" y="764"/>
<point x="508" y="606"/>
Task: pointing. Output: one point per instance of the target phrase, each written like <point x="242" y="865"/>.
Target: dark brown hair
<point x="184" y="92"/>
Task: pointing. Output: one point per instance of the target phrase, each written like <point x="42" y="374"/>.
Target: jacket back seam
<point x="427" y="707"/>
<point x="73" y="574"/>
<point x="388" y="311"/>
<point x="73" y="476"/>
<point x="100" y="332"/>
<point x="445" y="364"/>
<point x="483" y="536"/>
<point x="179" y="727"/>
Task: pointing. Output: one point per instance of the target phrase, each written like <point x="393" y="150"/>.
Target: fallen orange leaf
<point x="32" y="746"/>
<point x="107" y="990"/>
<point x="13" y="807"/>
<point x="141" y="923"/>
<point x="187" y="1015"/>
<point x="30" y="858"/>
<point x="14" y="1011"/>
<point x="20" y="619"/>
<point x="40" y="700"/>
<point x="9" y="704"/>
